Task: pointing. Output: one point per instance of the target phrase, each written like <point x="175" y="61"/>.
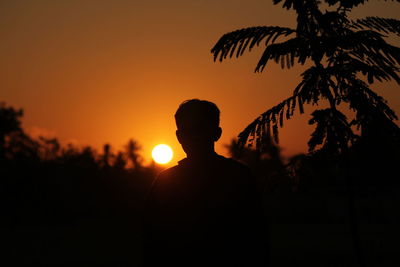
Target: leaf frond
<point x="240" y="40"/>
<point x="369" y="46"/>
<point x="344" y="65"/>
<point x="268" y="123"/>
<point x="385" y="25"/>
<point x="285" y="53"/>
<point x="362" y="98"/>
<point x="332" y="131"/>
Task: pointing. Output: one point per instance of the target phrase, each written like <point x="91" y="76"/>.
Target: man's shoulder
<point x="164" y="180"/>
<point x="221" y="163"/>
<point x="170" y="172"/>
<point x="234" y="165"/>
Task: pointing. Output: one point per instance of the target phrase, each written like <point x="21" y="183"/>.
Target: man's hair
<point x="204" y="112"/>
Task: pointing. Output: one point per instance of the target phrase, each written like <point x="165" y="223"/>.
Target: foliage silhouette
<point x="49" y="192"/>
<point x="131" y="150"/>
<point x="341" y="51"/>
<point x="346" y="57"/>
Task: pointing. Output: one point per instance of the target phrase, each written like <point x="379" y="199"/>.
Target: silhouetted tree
<point x="120" y="161"/>
<point x="346" y="57"/>
<point x="131" y="149"/>
<point x="9" y="120"/>
<point x="49" y="148"/>
<point x="84" y="157"/>
<point x="341" y="51"/>
<point x="106" y="157"/>
<point x="10" y="124"/>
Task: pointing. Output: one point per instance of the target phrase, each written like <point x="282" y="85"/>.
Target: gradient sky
<point x="103" y="71"/>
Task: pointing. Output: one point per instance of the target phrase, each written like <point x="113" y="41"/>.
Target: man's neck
<point x="204" y="155"/>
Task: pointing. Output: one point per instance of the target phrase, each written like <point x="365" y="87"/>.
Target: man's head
<point x="197" y="124"/>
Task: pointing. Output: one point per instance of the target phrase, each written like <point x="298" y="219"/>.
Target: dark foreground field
<point x="304" y="230"/>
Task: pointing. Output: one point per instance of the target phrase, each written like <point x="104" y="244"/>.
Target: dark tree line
<point x="43" y="181"/>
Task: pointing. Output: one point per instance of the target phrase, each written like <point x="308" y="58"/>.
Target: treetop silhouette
<point x="347" y="56"/>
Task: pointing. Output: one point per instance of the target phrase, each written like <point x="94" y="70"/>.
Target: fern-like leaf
<point x="384" y="25"/>
<point x="343" y="65"/>
<point x="238" y="41"/>
<point x="333" y="131"/>
<point x="369" y="46"/>
<point x="267" y="124"/>
<point x="285" y="53"/>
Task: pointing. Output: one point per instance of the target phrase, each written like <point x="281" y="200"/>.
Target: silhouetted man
<point x="205" y="211"/>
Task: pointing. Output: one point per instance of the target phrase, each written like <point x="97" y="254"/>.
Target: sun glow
<point x="162" y="154"/>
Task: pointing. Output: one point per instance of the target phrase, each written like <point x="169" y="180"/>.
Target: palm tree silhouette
<point x="346" y="55"/>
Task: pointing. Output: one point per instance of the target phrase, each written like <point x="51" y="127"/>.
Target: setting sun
<point x="162" y="154"/>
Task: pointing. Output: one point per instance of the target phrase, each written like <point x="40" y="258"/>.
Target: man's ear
<point x="218" y="133"/>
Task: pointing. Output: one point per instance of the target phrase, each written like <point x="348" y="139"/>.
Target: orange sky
<point x="97" y="71"/>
